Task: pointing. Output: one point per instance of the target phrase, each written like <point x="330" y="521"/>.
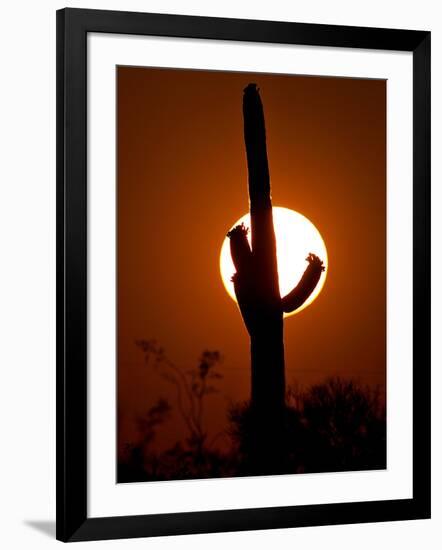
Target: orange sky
<point x="182" y="182"/>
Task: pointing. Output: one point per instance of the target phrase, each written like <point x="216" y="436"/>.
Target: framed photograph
<point x="243" y="274"/>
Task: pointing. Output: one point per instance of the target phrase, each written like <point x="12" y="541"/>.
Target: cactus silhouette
<point x="256" y="278"/>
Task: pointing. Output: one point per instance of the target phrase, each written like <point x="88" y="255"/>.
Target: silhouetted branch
<point x="194" y="386"/>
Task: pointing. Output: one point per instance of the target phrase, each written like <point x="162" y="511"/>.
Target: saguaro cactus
<point x="256" y="278"/>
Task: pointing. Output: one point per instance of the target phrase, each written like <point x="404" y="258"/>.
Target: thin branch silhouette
<point x="193" y="383"/>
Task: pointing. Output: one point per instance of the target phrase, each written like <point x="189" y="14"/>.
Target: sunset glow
<point x="296" y="237"/>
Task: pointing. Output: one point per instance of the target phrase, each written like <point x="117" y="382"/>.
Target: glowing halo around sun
<point x="296" y="237"/>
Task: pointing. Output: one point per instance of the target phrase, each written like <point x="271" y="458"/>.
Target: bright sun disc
<point x="296" y="237"/>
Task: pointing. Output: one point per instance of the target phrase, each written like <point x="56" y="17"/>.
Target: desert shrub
<point x="337" y="425"/>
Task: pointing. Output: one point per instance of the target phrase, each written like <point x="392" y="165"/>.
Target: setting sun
<point x="296" y="237"/>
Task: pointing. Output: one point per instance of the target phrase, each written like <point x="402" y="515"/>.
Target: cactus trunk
<point x="256" y="279"/>
<point x="257" y="291"/>
<point x="267" y="360"/>
<point x="266" y="334"/>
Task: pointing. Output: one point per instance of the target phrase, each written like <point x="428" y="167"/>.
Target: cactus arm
<point x="243" y="278"/>
<point x="306" y="285"/>
<point x="240" y="248"/>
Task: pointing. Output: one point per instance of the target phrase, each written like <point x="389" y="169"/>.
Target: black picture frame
<point x="73" y="25"/>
